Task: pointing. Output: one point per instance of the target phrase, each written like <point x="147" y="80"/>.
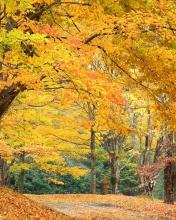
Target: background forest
<point x="87" y="97"/>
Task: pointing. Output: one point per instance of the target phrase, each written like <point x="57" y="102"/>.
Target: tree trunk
<point x="21" y="175"/>
<point x="6" y="98"/>
<point x="105" y="185"/>
<point x="115" y="172"/>
<point x="158" y="149"/>
<point x="93" y="162"/>
<point x="21" y="181"/>
<point x="112" y="144"/>
<point x="148" y="141"/>
<point x="3" y="172"/>
<point x="170" y="174"/>
<point x="169" y="183"/>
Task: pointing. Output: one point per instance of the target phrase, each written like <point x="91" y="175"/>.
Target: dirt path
<point x="97" y="211"/>
<point x="107" y="207"/>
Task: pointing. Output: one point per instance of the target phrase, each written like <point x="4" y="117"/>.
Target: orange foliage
<point x="92" y="75"/>
<point x="14" y="206"/>
<point x="74" y="42"/>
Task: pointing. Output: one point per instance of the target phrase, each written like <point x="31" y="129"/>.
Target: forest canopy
<point x="88" y="96"/>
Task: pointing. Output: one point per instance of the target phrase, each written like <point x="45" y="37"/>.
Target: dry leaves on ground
<point x="14" y="206"/>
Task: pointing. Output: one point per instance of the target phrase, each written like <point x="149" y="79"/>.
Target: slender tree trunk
<point x="148" y="141"/>
<point x="147" y="182"/>
<point x="21" y="181"/>
<point x="115" y="172"/>
<point x="158" y="149"/>
<point x="113" y="144"/>
<point x="93" y="162"/>
<point x="148" y="138"/>
<point x="3" y="172"/>
<point x="21" y="176"/>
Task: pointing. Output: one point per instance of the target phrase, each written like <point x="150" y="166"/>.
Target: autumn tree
<point x="144" y="51"/>
<point x="42" y="137"/>
<point x="53" y="45"/>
